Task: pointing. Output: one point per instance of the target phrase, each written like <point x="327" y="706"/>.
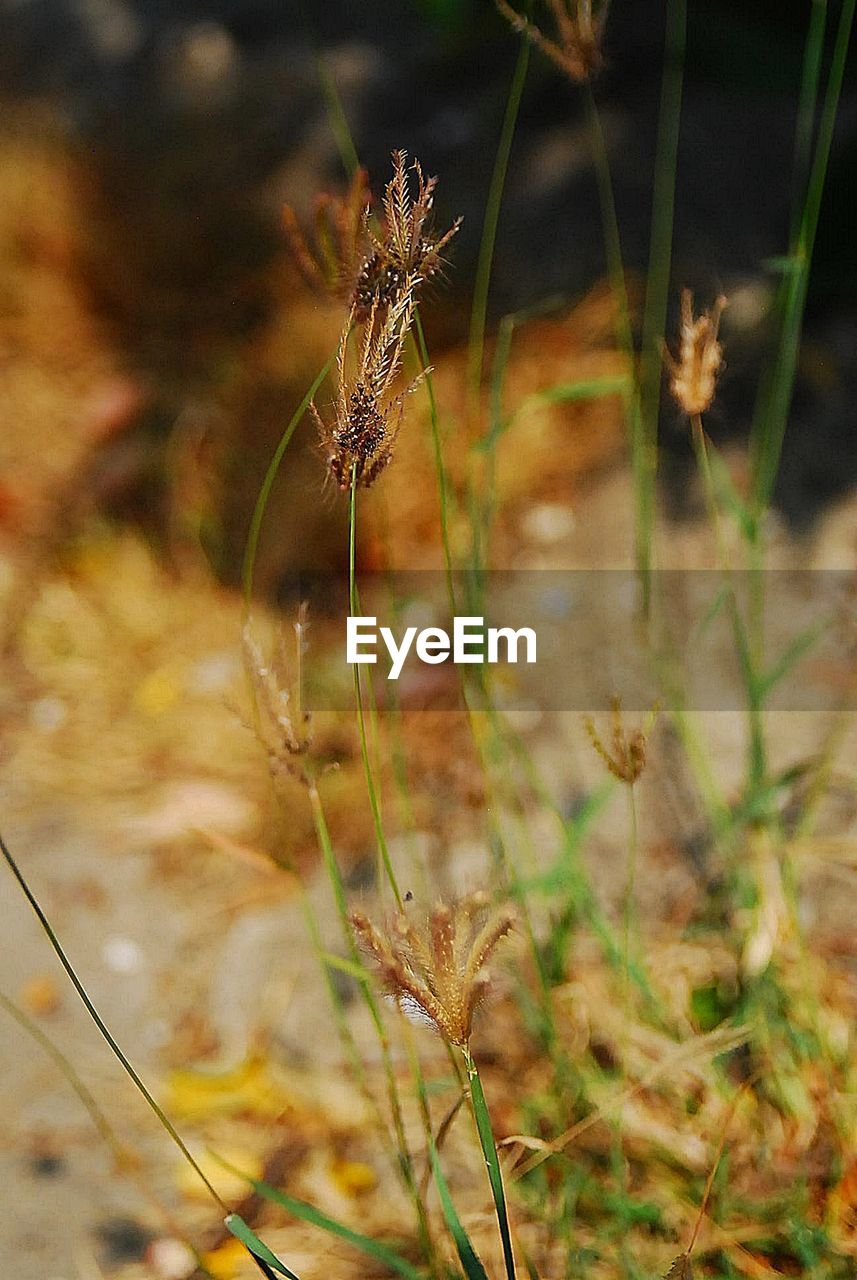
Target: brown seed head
<point x="333" y="260"/>
<point x="436" y="971"/>
<point x="576" y="45"/>
<point x="693" y="373"/>
<point x="406" y="247"/>
<point x="626" y="755"/>
<point x="367" y="416"/>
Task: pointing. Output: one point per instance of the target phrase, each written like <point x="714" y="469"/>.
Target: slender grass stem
<point x="641" y="465"/>
<point x="492" y="1161"/>
<point x="121" y="1154"/>
<point x="775" y="393"/>
<point x="252" y="547"/>
<point x="663" y="204"/>
<point x="479" y="312"/>
<point x="383" y="850"/>
<point x="105" y="1031"/>
<point x="440" y="469"/>
<point x="125" y="1159"/>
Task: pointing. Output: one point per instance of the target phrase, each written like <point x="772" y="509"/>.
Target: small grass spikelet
<point x="625" y="757"/>
<point x="693" y="372"/>
<point x="281" y="724"/>
<point x="334" y="259"/>
<point x="406" y="248"/>
<point x="437" y="971"/>
<point x="358" y="445"/>
<point x="576" y="47"/>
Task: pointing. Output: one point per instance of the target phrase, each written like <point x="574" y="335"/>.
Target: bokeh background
<point x="155" y="337"/>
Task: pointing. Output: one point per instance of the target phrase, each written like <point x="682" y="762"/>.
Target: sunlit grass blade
<point x="269" y="1264"/>
<point x="473" y="1268"/>
<point x="562" y="393"/>
<point x="307" y="1213"/>
<point x="492" y="1162"/>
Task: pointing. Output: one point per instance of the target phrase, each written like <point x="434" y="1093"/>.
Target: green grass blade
<point x="258" y="516"/>
<point x="102" y="1026"/>
<point x="791" y="655"/>
<point x="268" y="1262"/>
<point x="473" y="1268"/>
<point x="479" y="313"/>
<point x="562" y="393"/>
<point x="492" y="1162"/>
<point x="307" y="1213"/>
<point x="775" y="395"/>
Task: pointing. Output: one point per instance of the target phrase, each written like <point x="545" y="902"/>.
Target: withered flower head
<point x="693" y="373"/>
<point x="281" y="724"/>
<point x="406" y="247"/>
<point x="359" y="442"/>
<point x="625" y="757"/>
<point x="334" y="260"/>
<point x="436" y="971"/>
<point x="576" y="46"/>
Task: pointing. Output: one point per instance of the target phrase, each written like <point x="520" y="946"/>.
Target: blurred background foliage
<point x="181" y="127"/>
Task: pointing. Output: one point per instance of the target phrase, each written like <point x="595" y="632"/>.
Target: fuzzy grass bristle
<point x="436" y="971"/>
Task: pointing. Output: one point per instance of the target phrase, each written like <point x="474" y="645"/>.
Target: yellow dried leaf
<point x="249" y="1089"/>
<point x="353" y="1177"/>
<point x="230" y="1186"/>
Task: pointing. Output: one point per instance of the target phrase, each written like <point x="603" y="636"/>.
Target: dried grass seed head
<point x="625" y="756"/>
<point x="693" y="372"/>
<point x="436" y="970"/>
<point x="281" y="724"/>
<point x="367" y="415"/>
<point x="576" y="44"/>
<point x="334" y="258"/>
<point x="406" y="247"/>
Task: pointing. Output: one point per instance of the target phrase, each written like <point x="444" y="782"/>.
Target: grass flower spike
<point x="406" y="248"/>
<point x="693" y="374"/>
<point x="359" y="443"/>
<point x="625" y="757"/>
<point x="437" y="972"/>
<point x="576" y="50"/>
<point x="333" y="261"/>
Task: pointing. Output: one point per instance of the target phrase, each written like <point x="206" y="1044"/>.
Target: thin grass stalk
<point x="103" y="1028"/>
<point x="579" y="885"/>
<point x="440" y="469"/>
<point x="121" y="1155"/>
<point x="383" y="850"/>
<point x="641" y="463"/>
<point x="125" y="1159"/>
<point x="750" y="660"/>
<point x="404" y="1161"/>
<point x="336" y="116"/>
<point x="492" y="1161"/>
<point x="661" y="236"/>
<point x="479" y="312"/>
<point x="807" y="105"/>
<point x="776" y="393"/>
<point x="252" y="545"/>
